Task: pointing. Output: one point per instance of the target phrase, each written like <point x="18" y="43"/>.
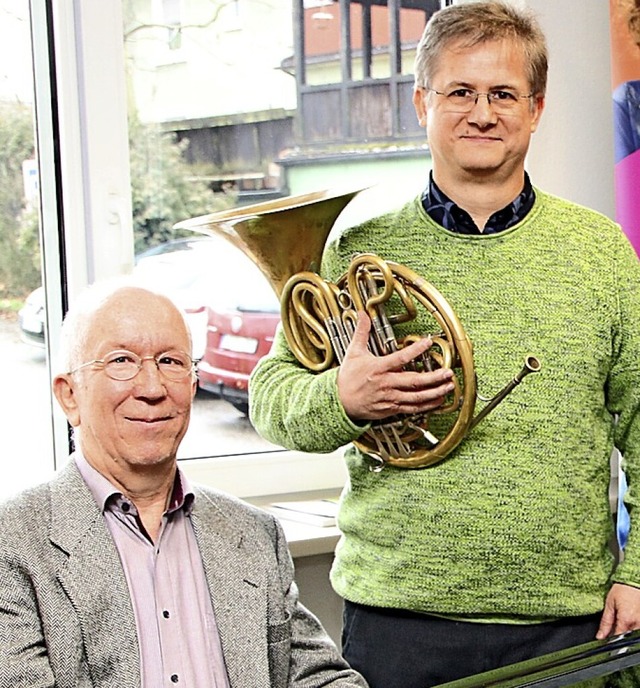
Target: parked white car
<point x="185" y="269"/>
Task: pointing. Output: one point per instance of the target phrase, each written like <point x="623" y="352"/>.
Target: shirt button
<point x="166" y="614"/>
<point x="174" y="678"/>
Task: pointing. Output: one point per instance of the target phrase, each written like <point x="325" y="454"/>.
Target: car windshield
<point x="251" y="293"/>
<point x="211" y="272"/>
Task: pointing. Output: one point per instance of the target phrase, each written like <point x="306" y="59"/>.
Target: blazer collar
<point x="89" y="570"/>
<point x="236" y="575"/>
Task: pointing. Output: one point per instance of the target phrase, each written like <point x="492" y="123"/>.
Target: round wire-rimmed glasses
<point x="125" y="365"/>
<point x="463" y="100"/>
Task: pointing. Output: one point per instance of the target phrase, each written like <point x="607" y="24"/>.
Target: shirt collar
<point x="106" y="494"/>
<point x="446" y="213"/>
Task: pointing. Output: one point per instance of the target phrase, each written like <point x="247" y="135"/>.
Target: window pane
<point x="25" y="401"/>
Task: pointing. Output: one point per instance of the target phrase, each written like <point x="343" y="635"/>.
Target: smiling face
<point x="480" y="144"/>
<point x="128" y="425"/>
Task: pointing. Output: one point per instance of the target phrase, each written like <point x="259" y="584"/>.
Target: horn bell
<point x="282" y="237"/>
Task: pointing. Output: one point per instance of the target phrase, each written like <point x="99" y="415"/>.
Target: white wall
<point x="198" y="80"/>
<point x="572" y="151"/>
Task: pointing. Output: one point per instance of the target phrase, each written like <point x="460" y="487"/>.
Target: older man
<point x="119" y="572"/>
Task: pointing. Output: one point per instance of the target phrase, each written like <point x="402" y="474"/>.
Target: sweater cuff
<point x="351" y="429"/>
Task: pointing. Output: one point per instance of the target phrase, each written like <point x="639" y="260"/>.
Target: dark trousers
<point x="393" y="648"/>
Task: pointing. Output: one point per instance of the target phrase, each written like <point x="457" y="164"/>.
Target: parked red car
<point x="241" y="323"/>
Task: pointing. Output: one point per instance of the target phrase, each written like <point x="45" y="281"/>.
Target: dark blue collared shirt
<point x="445" y="212"/>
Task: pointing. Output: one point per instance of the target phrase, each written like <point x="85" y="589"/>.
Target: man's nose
<point x="482" y="111"/>
<point x="480" y="96"/>
<point x="149" y="378"/>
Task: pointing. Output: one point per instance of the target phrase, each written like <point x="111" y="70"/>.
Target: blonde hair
<point x="473" y="23"/>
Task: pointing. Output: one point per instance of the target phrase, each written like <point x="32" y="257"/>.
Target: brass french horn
<point x="285" y="238"/>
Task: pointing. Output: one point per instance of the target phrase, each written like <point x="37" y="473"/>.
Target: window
<point x="182" y="169"/>
<point x="89" y="191"/>
<point x="111" y="188"/>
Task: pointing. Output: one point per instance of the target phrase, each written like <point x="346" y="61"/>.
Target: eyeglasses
<point x="125" y="365"/>
<point x="463" y="100"/>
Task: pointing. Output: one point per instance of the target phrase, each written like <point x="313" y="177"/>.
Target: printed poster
<point x="625" y="69"/>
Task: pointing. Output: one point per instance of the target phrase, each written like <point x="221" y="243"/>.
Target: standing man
<point x="119" y="572"/>
<point x="499" y="552"/>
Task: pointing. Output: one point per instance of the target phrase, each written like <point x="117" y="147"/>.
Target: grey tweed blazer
<point x="66" y="619"/>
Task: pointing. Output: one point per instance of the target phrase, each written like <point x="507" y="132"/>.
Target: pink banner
<point x="625" y="67"/>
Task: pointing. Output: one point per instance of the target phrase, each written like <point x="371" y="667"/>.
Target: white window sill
<point x="265" y="478"/>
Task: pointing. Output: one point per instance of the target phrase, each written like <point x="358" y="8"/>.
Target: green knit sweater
<point x="515" y="523"/>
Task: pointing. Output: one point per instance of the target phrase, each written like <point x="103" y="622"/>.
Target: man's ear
<point x="194" y="387"/>
<point x="419" y="96"/>
<point x="538" y="107"/>
<point x="64" y="390"/>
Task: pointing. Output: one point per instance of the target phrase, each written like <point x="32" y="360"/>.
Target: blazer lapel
<point x="238" y="591"/>
<point x="91" y="574"/>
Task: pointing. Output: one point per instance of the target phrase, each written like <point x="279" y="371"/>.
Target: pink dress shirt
<point x="175" y="619"/>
